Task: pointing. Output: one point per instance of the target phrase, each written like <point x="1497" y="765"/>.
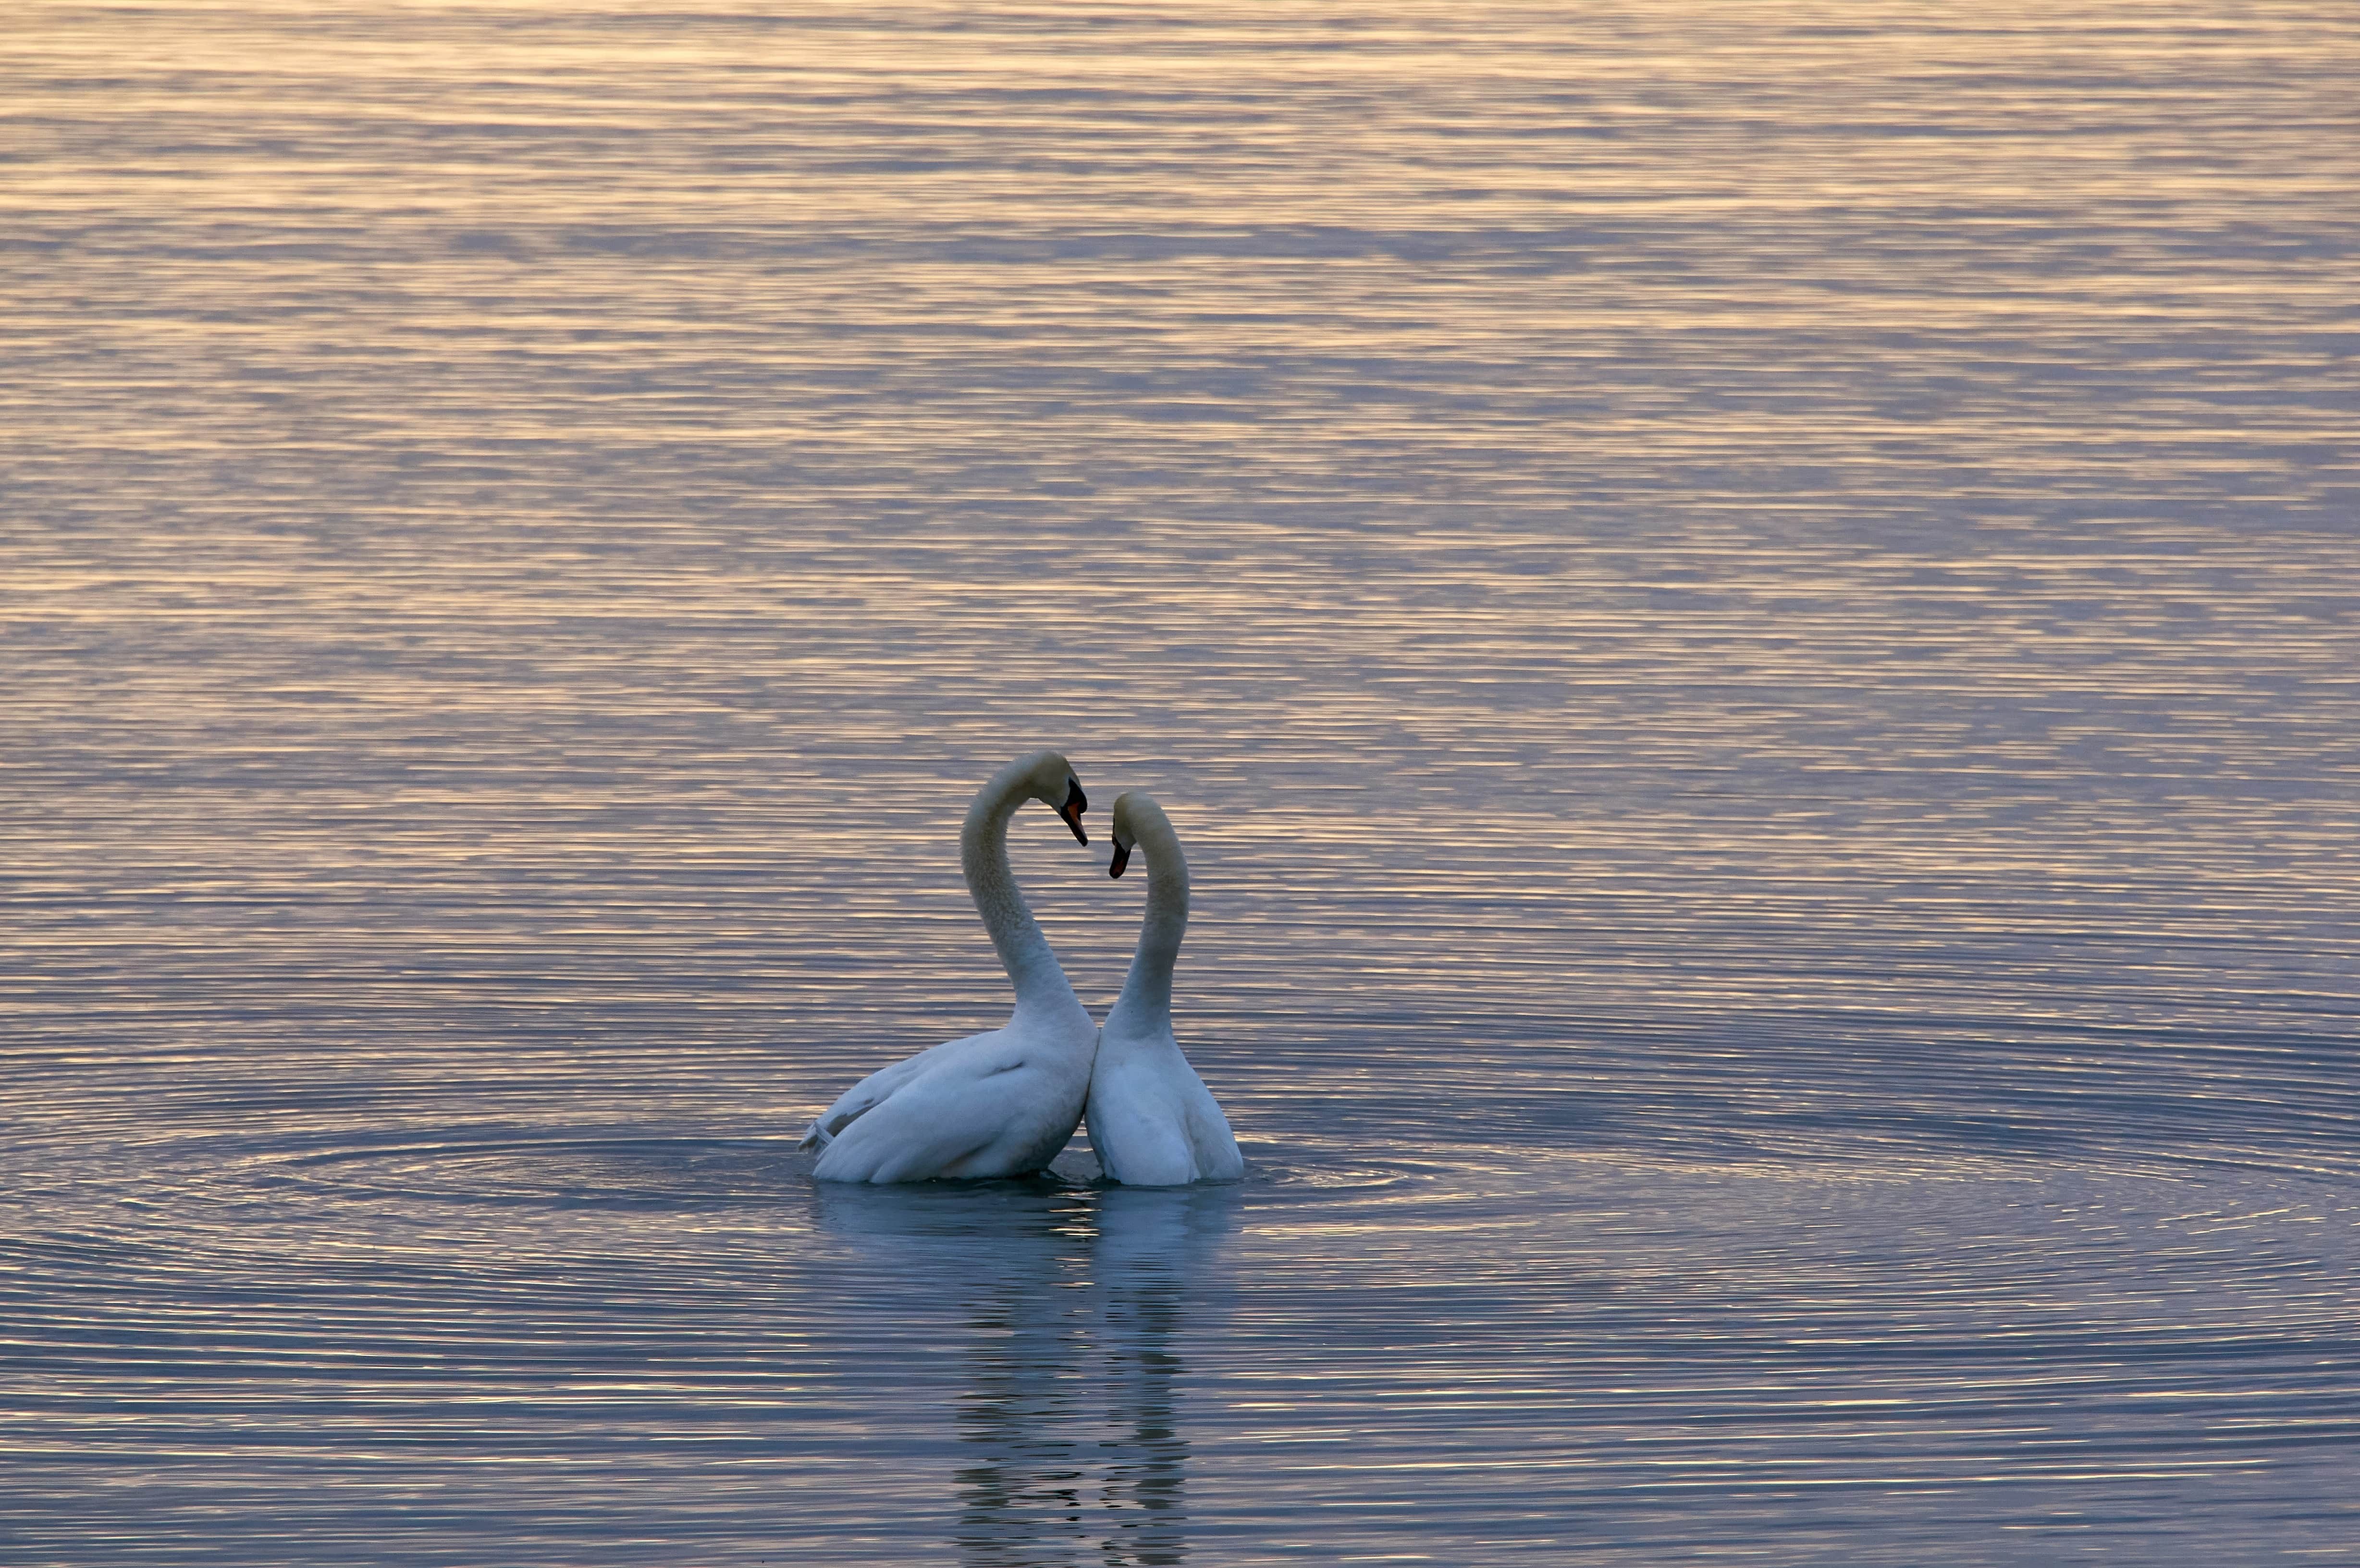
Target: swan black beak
<point x="1121" y="859"/>
<point x="1076" y="804"/>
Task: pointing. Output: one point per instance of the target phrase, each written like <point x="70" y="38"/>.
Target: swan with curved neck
<point x="998" y="1103"/>
<point x="1152" y="1122"/>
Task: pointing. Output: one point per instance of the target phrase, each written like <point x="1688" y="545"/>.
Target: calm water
<point x="1748" y="611"/>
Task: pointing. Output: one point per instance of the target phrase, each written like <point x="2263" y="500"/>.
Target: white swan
<point x="1152" y="1121"/>
<point x="991" y="1105"/>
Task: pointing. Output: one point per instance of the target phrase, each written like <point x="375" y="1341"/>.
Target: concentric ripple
<point x="1746" y="611"/>
<point x="622" y="1171"/>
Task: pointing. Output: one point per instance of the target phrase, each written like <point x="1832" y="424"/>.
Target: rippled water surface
<point x="1748" y="612"/>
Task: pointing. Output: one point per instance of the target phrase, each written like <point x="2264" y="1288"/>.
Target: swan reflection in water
<point x="1072" y="1300"/>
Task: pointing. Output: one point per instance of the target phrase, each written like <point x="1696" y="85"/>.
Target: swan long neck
<point x="1024" y="953"/>
<point x="1147" y="990"/>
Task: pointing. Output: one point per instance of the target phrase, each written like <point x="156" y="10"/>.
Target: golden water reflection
<point x="1745" y="608"/>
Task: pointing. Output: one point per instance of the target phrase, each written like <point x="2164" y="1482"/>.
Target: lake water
<point x="1749" y="612"/>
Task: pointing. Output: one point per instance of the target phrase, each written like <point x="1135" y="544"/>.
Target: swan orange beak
<point x="1076" y="804"/>
<point x="1121" y="859"/>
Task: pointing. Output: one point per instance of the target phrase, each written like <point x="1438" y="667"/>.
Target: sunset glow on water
<point x="1746" y="612"/>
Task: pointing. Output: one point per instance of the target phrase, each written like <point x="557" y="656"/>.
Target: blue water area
<point x="1747" y="612"/>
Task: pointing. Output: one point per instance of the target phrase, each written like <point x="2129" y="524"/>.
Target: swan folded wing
<point x="1216" y="1147"/>
<point x="1145" y="1151"/>
<point x="968" y="1119"/>
<point x="1155" y="1124"/>
<point x="874" y="1090"/>
<point x="1138" y="1123"/>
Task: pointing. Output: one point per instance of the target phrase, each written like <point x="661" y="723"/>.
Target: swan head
<point x="1049" y="778"/>
<point x="1133" y="807"/>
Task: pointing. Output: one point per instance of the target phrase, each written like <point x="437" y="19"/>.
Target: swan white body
<point x="1152" y="1122"/>
<point x="998" y="1103"/>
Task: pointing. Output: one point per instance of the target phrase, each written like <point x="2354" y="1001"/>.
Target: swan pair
<point x="1004" y="1103"/>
